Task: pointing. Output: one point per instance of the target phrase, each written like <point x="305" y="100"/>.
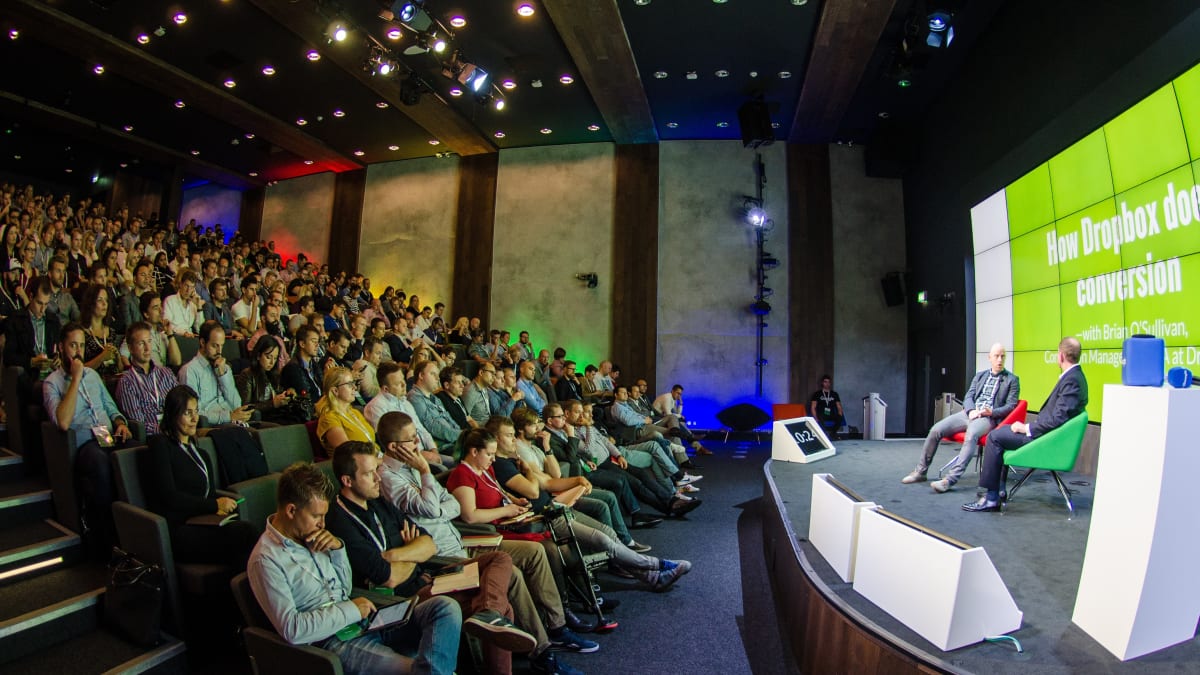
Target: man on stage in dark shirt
<point x="1068" y="399"/>
<point x="826" y="406"/>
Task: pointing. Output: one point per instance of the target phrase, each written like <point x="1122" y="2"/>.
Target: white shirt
<point x="182" y="316"/>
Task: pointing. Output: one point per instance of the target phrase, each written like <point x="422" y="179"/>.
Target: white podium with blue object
<point x="1139" y="591"/>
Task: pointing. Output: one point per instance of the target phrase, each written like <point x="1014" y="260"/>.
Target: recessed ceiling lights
<point x="230" y="83"/>
<point x="394" y="33"/>
<point x="593" y="127"/>
<point x="180" y="104"/>
<point x="691" y="75"/>
<point x="69" y="170"/>
<point x="268" y="70"/>
<point x="799" y="3"/>
<point x="248" y="136"/>
<point x="235" y="142"/>
<point x="660" y="74"/>
<point x="774" y="125"/>
<point x="160" y="31"/>
<point x="509" y="84"/>
<point x="339" y="113"/>
<point x="13" y="34"/>
<point x="359" y="153"/>
<point x="785" y="74"/>
<point x="337" y="31"/>
<point x="883" y="114"/>
<point x="434" y="141"/>
<point x="754" y="73"/>
<point x="128" y="128"/>
<point x="98" y="69"/>
<point x="308" y="162"/>
<point x="393" y="148"/>
<point x="456" y="91"/>
<point x="904" y="83"/>
<point x="381" y="105"/>
<point x="641" y="3"/>
<point x="498" y="104"/>
<point x="722" y="73"/>
<point x="195" y="153"/>
<point x="722" y="125"/>
<point x="720" y="2"/>
<point x="253" y="174"/>
<point x="672" y="125"/>
<point x="499" y="134"/>
<point x="143" y="39"/>
<point x="525" y="9"/>
<point x="565" y="78"/>
<point x="458" y="21"/>
<point x="536" y="84"/>
<point x="180" y="18"/>
<point x="313" y="55"/>
<point x="123" y="165"/>
<point x="301" y="121"/>
<point x="547" y="130"/>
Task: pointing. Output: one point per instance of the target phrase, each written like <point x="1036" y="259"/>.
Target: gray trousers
<point x="949" y="426"/>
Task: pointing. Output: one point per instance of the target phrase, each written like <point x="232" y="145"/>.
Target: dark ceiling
<point x="580" y="71"/>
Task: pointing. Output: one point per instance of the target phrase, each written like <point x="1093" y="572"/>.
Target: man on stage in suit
<point x="993" y="394"/>
<point x="1068" y="399"/>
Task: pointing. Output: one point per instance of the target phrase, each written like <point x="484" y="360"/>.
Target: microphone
<point x="1180" y="378"/>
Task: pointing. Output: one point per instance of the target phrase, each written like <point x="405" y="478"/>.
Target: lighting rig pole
<point x="756" y="216"/>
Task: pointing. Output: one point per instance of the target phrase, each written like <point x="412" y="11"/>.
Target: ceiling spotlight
<point x="128" y="128"/>
<point x="941" y="29"/>
<point x="799" y="3"/>
<point x="456" y="91"/>
<point x="195" y="153"/>
<point x="525" y="9"/>
<point x="412" y="88"/>
<point x="160" y="31"/>
<point x="13" y="34"/>
<point x="660" y="74"/>
<point x="593" y="127"/>
<point x="566" y="79"/>
<point x="394" y="33"/>
<point x="180" y="18"/>
<point x="883" y="114"/>
<point x="722" y="73"/>
<point x="416" y="18"/>
<point x="253" y="174"/>
<point x="180" y="104"/>
<point x="498" y="104"/>
<point x="339" y="113"/>
<point x="359" y="153"/>
<point x="248" y="137"/>
<point x="308" y="162"/>
<point x="382" y="105"/>
<point x="337" y="31"/>
<point x="393" y="148"/>
<point x="499" y="134"/>
<point x="785" y="74"/>
<point x="385" y="67"/>
<point x="229" y="83"/>
<point x="547" y="130"/>
<point x="301" y="121"/>
<point x="458" y="21"/>
<point x="268" y="70"/>
<point x="691" y="75"/>
<point x="438" y="44"/>
<point x="123" y="165"/>
<point x="509" y="84"/>
<point x="434" y="141"/>
<point x="722" y="125"/>
<point x="672" y="125"/>
<point x="98" y="69"/>
<point x="313" y="55"/>
<point x="536" y="84"/>
<point x="143" y="39"/>
<point x="467" y="74"/>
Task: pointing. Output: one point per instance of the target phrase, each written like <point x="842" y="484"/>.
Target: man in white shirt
<point x="183" y="310"/>
<point x="392" y="397"/>
<point x="246" y="310"/>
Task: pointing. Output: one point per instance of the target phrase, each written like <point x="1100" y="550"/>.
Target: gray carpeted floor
<point x="1036" y="549"/>
<point x="720" y="618"/>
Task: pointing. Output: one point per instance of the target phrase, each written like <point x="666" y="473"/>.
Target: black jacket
<point x="19" y="343"/>
<point x="1068" y="398"/>
<point x="175" y="485"/>
<point x="456" y="409"/>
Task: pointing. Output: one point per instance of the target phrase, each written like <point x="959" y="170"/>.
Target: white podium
<point x="833" y="523"/>
<point x="1139" y="591"/>
<point x="895" y="562"/>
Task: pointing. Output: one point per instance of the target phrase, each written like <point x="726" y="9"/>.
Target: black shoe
<point x="689" y="465"/>
<point x="578" y="624"/>
<point x="609" y="604"/>
<point x="641" y="520"/>
<point x="680" y="508"/>
<point x="546" y="663"/>
<point x="980" y="506"/>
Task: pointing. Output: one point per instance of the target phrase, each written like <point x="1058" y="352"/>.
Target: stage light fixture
<point x="13" y="34"/>
<point x="467" y="74"/>
<point x="411" y="14"/>
<point x="760" y="308"/>
<point x="940" y="24"/>
<point x="756" y="216"/>
<point x="412" y="88"/>
<point x="456" y="91"/>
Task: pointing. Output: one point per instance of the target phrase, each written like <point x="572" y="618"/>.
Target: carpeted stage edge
<point x="1036" y="548"/>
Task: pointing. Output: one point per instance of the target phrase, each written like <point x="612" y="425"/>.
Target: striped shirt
<point x="141" y="396"/>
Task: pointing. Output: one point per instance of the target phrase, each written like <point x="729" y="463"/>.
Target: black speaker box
<point x="893" y="289"/>
<point x="754" y="118"/>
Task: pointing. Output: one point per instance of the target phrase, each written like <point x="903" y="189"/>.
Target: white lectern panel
<point x="800" y="439"/>
<point x="966" y="601"/>
<point x="1139" y="591"/>
<point x="833" y="524"/>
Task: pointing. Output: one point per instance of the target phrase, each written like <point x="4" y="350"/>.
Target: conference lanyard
<point x="381" y="544"/>
<point x="491" y="482"/>
<point x="194" y="454"/>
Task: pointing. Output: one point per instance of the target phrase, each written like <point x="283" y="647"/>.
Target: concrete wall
<point x="297" y="215"/>
<point x="554" y="218"/>
<point x="706" y="263"/>
<point x="211" y="204"/>
<point x="871" y="338"/>
<point x="408" y="227"/>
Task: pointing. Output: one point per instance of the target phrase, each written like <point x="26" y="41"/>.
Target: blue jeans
<point x="601" y="505"/>
<point x="435" y="625"/>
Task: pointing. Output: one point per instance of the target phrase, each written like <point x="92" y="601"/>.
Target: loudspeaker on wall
<point x="754" y="118"/>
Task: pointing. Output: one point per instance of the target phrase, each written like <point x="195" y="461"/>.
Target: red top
<point x="487" y="495"/>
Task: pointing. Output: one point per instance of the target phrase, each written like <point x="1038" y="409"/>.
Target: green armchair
<point x="1055" y="451"/>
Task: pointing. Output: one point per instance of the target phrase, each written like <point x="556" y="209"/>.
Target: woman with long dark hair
<point x="101" y="343"/>
<point x="259" y="385"/>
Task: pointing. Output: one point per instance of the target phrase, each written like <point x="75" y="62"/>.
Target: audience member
<point x="142" y="389"/>
<point x="338" y="420"/>
<point x="211" y="377"/>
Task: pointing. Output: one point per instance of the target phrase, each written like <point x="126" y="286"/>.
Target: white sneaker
<point x="941" y="486"/>
<point x="917" y="476"/>
<point x="687" y="479"/>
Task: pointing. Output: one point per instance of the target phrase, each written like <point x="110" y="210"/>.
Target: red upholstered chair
<point x="1017" y="415"/>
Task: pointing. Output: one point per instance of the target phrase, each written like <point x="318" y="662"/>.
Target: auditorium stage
<point x="1036" y="549"/>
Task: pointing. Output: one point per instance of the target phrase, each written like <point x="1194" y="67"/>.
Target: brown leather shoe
<point x="701" y="450"/>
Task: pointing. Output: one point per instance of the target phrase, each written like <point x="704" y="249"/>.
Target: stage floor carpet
<point x="1036" y="548"/>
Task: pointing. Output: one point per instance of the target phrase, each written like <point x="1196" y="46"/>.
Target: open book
<point x="462" y="577"/>
<point x="471" y="541"/>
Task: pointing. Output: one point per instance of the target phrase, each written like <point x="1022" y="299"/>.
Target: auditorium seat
<point x="59" y="451"/>
<point x="1054" y="451"/>
<point x="269" y="653"/>
<point x="284" y="445"/>
<point x="1017" y="415"/>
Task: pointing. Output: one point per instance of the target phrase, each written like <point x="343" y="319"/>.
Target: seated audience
<point x="258" y="386"/>
<point x="182" y="483"/>
<point x="429" y="408"/>
<point x="300" y="574"/>
<point x="32" y="334"/>
<point x="338" y="420"/>
<point x="453" y="385"/>
<point x="568" y="386"/>
<point x="100" y="352"/>
<point x="183" y="309"/>
<point x="142" y="389"/>
<point x="303" y="374"/>
<point x="216" y="308"/>
<point x="212" y="379"/>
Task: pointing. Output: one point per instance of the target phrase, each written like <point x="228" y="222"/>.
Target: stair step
<point x="100" y="651"/>
<point x="29" y="544"/>
<point x="29" y="595"/>
<point x="49" y="626"/>
<point x="12" y="465"/>
<point x="23" y="500"/>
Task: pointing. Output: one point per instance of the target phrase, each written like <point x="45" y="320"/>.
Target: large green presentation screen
<point x="1102" y="242"/>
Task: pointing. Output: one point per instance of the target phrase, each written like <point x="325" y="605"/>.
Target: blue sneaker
<point x="668" y="573"/>
<point x="546" y="664"/>
<point x="563" y="640"/>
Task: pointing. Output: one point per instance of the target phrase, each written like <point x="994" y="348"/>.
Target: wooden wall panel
<point x="251" y="216"/>
<point x="472" y="290"/>
<point x="810" y="269"/>
<point x="349" y="187"/>
<point x="142" y="195"/>
<point x="635" y="261"/>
